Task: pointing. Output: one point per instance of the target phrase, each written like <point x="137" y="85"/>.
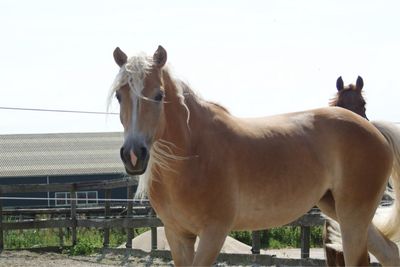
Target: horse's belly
<point x="272" y="207"/>
<point x="264" y="219"/>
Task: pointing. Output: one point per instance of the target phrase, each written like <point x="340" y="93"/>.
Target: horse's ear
<point x="339" y="83"/>
<point x="120" y="57"/>
<point x="160" y="57"/>
<point x="359" y="83"/>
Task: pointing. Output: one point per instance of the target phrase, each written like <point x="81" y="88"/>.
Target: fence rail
<point x="136" y="214"/>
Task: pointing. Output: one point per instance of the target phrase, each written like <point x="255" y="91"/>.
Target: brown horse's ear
<point x="339" y="84"/>
<point x="160" y="57"/>
<point x="120" y="57"/>
<point x="359" y="83"/>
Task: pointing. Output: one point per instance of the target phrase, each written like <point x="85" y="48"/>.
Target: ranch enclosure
<point x="71" y="181"/>
<point x="133" y="215"/>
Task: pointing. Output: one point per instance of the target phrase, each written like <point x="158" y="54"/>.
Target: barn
<point x="60" y="158"/>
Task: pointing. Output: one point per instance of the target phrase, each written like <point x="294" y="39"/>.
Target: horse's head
<point x="350" y="97"/>
<point x="139" y="90"/>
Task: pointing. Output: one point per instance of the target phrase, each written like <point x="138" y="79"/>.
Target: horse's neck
<point x="185" y="122"/>
<point x="175" y="128"/>
<point x="185" y="119"/>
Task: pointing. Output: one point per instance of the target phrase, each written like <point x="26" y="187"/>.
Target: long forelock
<point x="137" y="67"/>
<point x="132" y="73"/>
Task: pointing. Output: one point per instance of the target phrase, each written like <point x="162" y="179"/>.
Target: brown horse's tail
<point x="387" y="218"/>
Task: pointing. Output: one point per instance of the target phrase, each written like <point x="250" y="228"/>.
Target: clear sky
<point x="254" y="57"/>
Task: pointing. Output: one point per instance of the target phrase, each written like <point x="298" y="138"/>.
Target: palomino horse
<point x="350" y="97"/>
<point x="207" y="172"/>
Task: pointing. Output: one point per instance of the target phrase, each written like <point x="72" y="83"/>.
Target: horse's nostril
<point x="132" y="158"/>
<point x="143" y="152"/>
<point x="124" y="156"/>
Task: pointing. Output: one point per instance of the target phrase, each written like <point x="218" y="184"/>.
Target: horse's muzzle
<point x="135" y="160"/>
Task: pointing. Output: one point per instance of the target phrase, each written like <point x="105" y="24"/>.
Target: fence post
<point x="129" y="213"/>
<point x="73" y="214"/>
<point x="256" y="242"/>
<point x="1" y="224"/>
<point x="153" y="238"/>
<point x="60" y="234"/>
<point x="305" y="241"/>
<point x="106" y="242"/>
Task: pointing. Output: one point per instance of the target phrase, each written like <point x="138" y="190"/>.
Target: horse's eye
<point x="118" y="97"/>
<point x="159" y="96"/>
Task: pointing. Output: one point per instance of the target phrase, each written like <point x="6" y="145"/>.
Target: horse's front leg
<point x="211" y="241"/>
<point x="182" y="246"/>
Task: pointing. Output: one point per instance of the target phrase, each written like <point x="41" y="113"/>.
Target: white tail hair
<point x="387" y="218"/>
<point x="332" y="236"/>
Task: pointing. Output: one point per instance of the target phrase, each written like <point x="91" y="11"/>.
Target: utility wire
<point x="59" y="110"/>
<point x="77" y="111"/>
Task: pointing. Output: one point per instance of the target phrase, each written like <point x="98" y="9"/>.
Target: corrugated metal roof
<point x="60" y="154"/>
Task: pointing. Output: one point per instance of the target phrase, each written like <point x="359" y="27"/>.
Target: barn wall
<point x="120" y="193"/>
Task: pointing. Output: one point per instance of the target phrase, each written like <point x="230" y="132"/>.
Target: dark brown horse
<point x="351" y="97"/>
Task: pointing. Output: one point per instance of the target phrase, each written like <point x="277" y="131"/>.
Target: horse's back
<point x="332" y="126"/>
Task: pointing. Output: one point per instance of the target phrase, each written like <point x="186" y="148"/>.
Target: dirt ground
<point x="119" y="257"/>
<point x="36" y="259"/>
<point x="233" y="253"/>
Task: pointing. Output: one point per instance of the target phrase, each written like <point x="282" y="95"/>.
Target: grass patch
<point x="282" y="237"/>
<point x="91" y="239"/>
<point x="17" y="239"/>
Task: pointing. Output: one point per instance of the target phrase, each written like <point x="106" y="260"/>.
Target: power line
<point x="76" y="111"/>
<point x="59" y="110"/>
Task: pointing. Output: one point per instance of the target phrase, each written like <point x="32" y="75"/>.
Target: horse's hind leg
<point x="353" y="228"/>
<point x="354" y="240"/>
<point x="354" y="213"/>
<point x="382" y="248"/>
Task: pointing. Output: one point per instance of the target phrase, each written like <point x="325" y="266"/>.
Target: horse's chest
<point x="186" y="209"/>
<point x="174" y="216"/>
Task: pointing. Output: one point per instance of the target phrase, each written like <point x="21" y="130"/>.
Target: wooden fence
<point x="137" y="214"/>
